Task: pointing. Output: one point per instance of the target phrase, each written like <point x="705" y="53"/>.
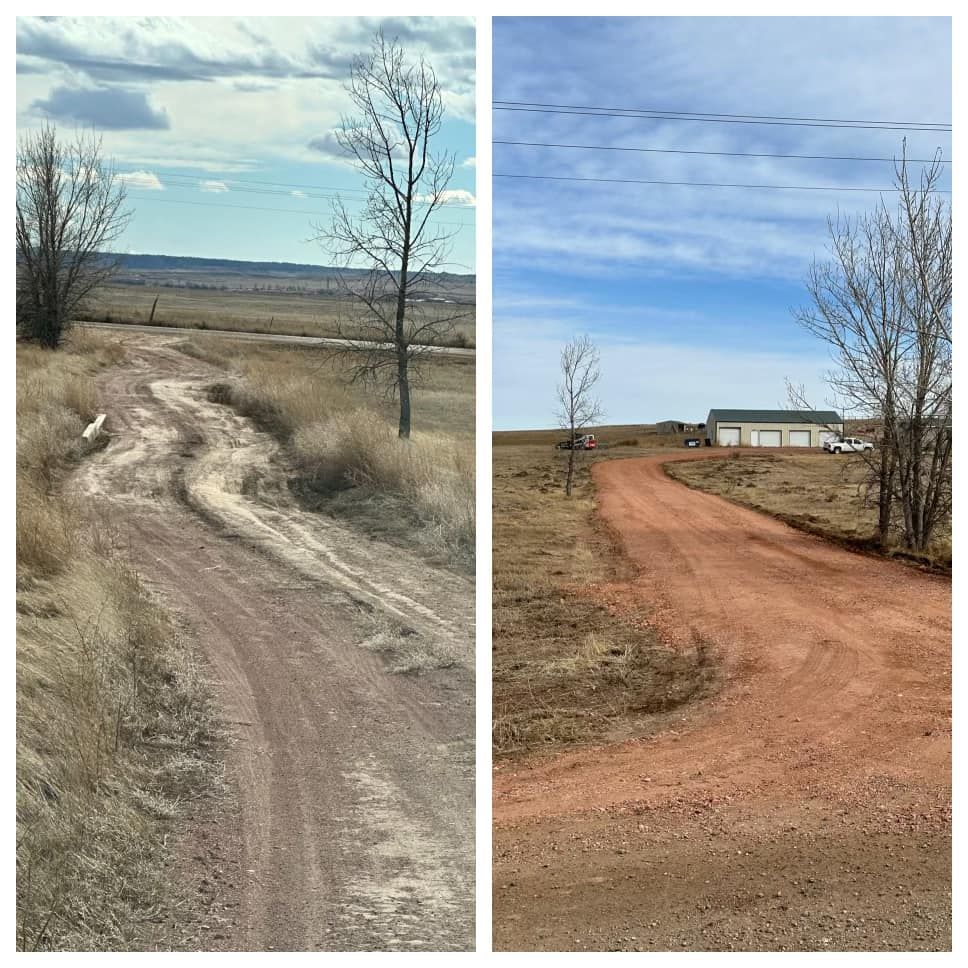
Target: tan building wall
<point x="746" y="431"/>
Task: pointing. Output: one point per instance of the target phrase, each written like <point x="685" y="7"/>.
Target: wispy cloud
<point x="687" y="289"/>
<point x="211" y="185"/>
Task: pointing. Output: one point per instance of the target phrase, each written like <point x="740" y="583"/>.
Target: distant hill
<point x="179" y="263"/>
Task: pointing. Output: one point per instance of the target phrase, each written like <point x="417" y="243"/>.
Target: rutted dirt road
<point x="807" y="806"/>
<point x="353" y="825"/>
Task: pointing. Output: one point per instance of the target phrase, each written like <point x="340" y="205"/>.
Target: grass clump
<point x="347" y="457"/>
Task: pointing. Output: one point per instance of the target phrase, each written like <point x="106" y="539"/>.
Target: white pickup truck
<point x="847" y="445"/>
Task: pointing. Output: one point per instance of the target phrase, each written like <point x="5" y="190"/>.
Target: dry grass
<point x="566" y="668"/>
<point x="345" y="449"/>
<point x="289" y="313"/>
<point x="114" y="730"/>
<point x="822" y="493"/>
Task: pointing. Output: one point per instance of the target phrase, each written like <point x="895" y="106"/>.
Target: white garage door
<point x="799" y="438"/>
<point x="729" y="436"/>
<point x="770" y="438"/>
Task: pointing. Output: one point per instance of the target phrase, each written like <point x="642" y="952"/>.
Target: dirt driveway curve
<point x="836" y="695"/>
<point x="354" y="786"/>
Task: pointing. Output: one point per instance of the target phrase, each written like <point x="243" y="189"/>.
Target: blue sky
<point x="687" y="291"/>
<point x="224" y="126"/>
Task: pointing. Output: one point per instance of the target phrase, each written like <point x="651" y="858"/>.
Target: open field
<point x="343" y="444"/>
<point x="803" y="803"/>
<point x="567" y="668"/>
<point x="261" y="311"/>
<point x="115" y="731"/>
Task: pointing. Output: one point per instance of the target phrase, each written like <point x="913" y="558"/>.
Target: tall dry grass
<point x="113" y="723"/>
<point x="344" y="443"/>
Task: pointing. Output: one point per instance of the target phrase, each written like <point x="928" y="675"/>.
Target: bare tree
<point x="70" y="209"/>
<point x="882" y="302"/>
<point x="400" y="112"/>
<point x="577" y="406"/>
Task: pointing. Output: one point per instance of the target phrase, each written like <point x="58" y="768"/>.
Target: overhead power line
<point x="710" y="117"/>
<point x="190" y="181"/>
<point x="274" y="189"/>
<point x="723" y="154"/>
<point x="694" y="184"/>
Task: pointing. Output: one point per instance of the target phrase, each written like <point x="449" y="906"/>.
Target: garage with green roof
<point x="772" y="428"/>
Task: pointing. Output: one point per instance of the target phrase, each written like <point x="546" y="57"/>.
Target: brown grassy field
<point x="825" y="494"/>
<point x="114" y="730"/>
<point x="566" y="668"/>
<point x="288" y="313"/>
<point x="342" y="439"/>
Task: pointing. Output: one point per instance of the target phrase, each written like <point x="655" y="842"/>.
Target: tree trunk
<point x="886" y="493"/>
<point x="400" y="334"/>
<point x="403" y="383"/>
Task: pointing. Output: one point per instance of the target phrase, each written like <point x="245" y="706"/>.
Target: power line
<point x="544" y="107"/>
<point x="255" y="208"/>
<point x="644" y="181"/>
<point x="168" y="173"/>
<point x="189" y="181"/>
<point x="724" y="154"/>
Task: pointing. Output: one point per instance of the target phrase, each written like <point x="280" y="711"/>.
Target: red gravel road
<point x="835" y="703"/>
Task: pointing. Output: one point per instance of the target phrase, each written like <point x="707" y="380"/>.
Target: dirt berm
<point x="806" y="806"/>
<point x="343" y="668"/>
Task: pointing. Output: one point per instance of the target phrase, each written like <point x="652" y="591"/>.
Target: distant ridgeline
<point x="178" y="263"/>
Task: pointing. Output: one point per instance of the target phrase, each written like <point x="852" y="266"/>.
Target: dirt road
<point x="353" y="783"/>
<point x="827" y="751"/>
<point x="458" y="352"/>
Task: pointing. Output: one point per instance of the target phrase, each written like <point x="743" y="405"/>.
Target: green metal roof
<point x="775" y="416"/>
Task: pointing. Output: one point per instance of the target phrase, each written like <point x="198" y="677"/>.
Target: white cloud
<point x="454" y="197"/>
<point x="469" y="162"/>
<point x="210" y="185"/>
<point x="219" y="79"/>
<point x="298" y="194"/>
<point x="147" y="180"/>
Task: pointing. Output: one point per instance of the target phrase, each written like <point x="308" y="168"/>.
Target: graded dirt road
<point x="343" y="668"/>
<point x="806" y="806"/>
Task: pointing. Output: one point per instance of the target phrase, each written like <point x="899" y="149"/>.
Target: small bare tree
<point x="577" y="406"/>
<point x="70" y="209"/>
<point x="400" y="112"/>
<point x="882" y="302"/>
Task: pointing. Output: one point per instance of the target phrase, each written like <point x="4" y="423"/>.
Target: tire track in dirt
<point x="822" y="648"/>
<point x="791" y="810"/>
<point x="354" y="786"/>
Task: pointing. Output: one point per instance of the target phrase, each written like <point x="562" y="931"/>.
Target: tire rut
<point x="354" y="785"/>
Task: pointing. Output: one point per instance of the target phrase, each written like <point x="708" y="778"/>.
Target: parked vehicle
<point x="692" y="442"/>
<point x="847" y="445"/>
<point x="585" y="442"/>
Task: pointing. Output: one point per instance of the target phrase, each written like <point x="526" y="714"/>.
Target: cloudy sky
<point x="224" y="126"/>
<point x="687" y="291"/>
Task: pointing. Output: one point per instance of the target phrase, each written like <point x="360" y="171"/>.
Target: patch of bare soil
<point x="344" y="670"/>
<point x="826" y="755"/>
